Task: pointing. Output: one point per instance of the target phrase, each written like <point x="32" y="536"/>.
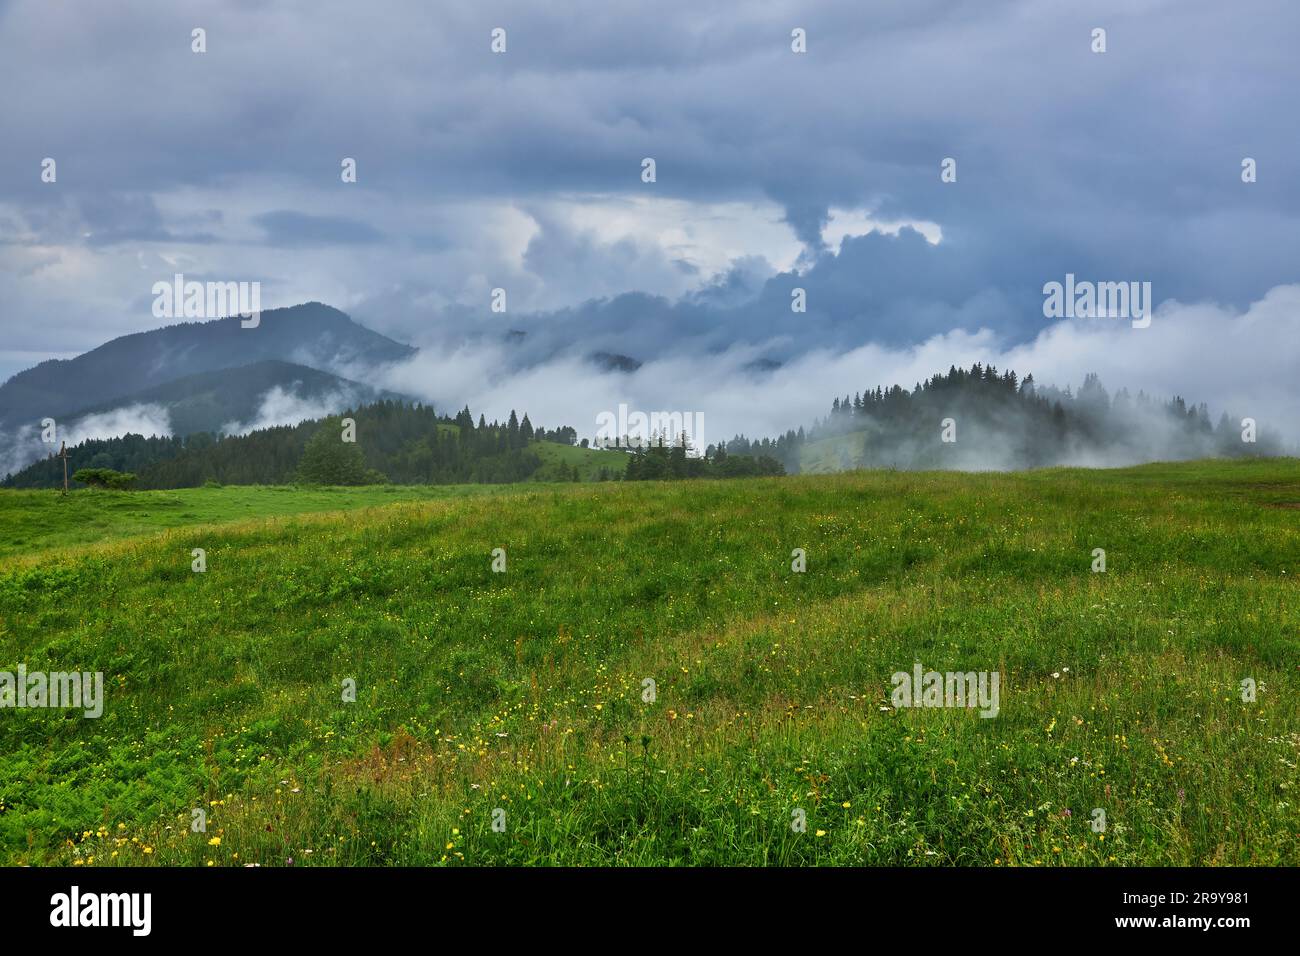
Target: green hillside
<point x="589" y="461"/>
<point x="520" y="697"/>
<point x="37" y="522"/>
<point x="828" y="455"/>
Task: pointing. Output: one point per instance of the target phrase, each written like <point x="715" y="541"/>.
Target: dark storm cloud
<point x="1115" y="166"/>
<point x="287" y="228"/>
<point x="116" y="217"/>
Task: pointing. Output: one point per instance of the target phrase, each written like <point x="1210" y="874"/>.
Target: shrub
<point x="105" y="478"/>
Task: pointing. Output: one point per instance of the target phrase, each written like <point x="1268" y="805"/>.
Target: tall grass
<point x="524" y="691"/>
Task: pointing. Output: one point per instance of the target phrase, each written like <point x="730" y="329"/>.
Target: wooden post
<point x="63" y="453"/>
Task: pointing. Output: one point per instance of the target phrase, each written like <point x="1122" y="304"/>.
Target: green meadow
<point x="38" y="522"/>
<point x="649" y="682"/>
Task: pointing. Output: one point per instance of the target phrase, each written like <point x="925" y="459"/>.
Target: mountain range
<point x="210" y="376"/>
<point x="218" y="378"/>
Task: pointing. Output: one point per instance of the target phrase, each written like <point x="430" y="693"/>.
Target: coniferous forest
<point x="395" y="441"/>
<point x="977" y="418"/>
<point x="996" y="420"/>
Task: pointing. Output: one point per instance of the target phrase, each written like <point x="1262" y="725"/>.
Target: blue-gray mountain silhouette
<point x="312" y="334"/>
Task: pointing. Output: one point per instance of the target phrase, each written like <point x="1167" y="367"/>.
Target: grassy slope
<point x="523" y="691"/>
<point x="827" y="455"/>
<point x="35" y="522"/>
<point x="588" y="460"/>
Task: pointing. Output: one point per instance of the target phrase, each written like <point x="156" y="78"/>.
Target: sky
<point x="774" y="170"/>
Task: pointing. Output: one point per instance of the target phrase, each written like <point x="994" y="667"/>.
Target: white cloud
<point x="1243" y="363"/>
<point x="843" y="223"/>
<point x="139" y="419"/>
<point x="282" y="406"/>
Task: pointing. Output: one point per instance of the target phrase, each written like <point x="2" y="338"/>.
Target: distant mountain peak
<point x="311" y="334"/>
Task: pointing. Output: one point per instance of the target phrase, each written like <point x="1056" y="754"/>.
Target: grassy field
<point x="588" y="461"/>
<point x="521" y="696"/>
<point x="38" y="522"/>
<point x="827" y="455"/>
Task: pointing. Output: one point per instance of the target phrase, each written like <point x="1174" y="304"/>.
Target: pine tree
<point x="512" y="430"/>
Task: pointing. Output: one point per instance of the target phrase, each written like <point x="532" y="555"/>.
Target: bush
<point x="105" y="478"/>
<point x="328" y="460"/>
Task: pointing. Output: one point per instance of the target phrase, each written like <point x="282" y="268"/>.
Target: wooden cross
<point x="63" y="453"/>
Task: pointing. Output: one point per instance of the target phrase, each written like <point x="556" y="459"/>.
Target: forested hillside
<point x="980" y="418"/>
<point x="972" y="419"/>
<point x="394" y="441"/>
<point x="146" y="360"/>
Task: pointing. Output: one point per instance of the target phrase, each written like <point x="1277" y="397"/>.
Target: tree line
<point x="672" y="463"/>
<point x="999" y="420"/>
<point x="395" y="441"/>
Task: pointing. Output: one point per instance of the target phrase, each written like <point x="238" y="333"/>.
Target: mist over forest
<point x="980" y="419"/>
<point x="976" y="419"/>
